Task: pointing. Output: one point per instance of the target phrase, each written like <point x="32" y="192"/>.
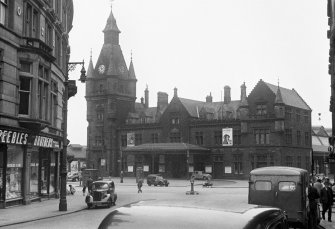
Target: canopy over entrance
<point x="164" y="147"/>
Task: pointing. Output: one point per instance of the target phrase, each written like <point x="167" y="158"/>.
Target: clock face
<point x="101" y="69"/>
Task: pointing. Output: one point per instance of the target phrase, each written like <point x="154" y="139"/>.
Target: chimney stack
<point x="146" y="97"/>
<point x="209" y="98"/>
<point x="162" y="100"/>
<point x="227" y="98"/>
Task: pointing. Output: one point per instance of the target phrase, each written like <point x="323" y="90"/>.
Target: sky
<point x="201" y="46"/>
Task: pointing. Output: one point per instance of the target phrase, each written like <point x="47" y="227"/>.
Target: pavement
<point x="48" y="208"/>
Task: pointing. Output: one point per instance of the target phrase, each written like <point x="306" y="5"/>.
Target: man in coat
<point x="327" y="200"/>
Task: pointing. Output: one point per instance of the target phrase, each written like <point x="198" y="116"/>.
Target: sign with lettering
<point x="13" y="137"/>
<point x="43" y="142"/>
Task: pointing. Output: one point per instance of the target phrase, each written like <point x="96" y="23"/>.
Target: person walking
<point x="318" y="185"/>
<point x="313" y="197"/>
<point x="327" y="200"/>
<point x="139" y="186"/>
<point x="89" y="184"/>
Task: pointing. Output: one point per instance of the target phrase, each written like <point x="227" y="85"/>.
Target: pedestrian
<point x="72" y="189"/>
<point x="89" y="184"/>
<point x="318" y="185"/>
<point x="139" y="185"/>
<point x="327" y="200"/>
<point x="84" y="189"/>
<point x="313" y="197"/>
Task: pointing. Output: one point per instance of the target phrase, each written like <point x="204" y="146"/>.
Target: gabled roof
<point x="289" y="97"/>
<point x="195" y="107"/>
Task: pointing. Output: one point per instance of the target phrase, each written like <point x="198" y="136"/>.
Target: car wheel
<point x="110" y="203"/>
<point x="89" y="206"/>
<point x="166" y="185"/>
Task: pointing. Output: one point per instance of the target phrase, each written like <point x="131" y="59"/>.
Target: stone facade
<point x="33" y="52"/>
<point x="270" y="126"/>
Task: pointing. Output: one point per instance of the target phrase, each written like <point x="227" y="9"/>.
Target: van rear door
<point x="261" y="190"/>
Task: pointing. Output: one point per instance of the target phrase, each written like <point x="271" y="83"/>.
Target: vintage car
<point x="102" y="194"/>
<point x="146" y="214"/>
<point x="282" y="187"/>
<point x="157" y="180"/>
<point x="200" y="175"/>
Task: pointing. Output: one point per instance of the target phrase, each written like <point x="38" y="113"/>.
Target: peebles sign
<point x="21" y="138"/>
<point x="13" y="137"/>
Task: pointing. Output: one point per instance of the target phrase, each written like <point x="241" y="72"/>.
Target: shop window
<point x="14" y="172"/>
<point x="44" y="171"/>
<point x="3" y="11"/>
<point x="52" y="184"/>
<point x="25" y="95"/>
<point x="34" y="176"/>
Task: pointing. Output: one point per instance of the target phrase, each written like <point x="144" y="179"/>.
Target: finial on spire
<point x="131" y="55"/>
<point x="278" y="81"/>
<point x="111" y="1"/>
<point x="91" y="54"/>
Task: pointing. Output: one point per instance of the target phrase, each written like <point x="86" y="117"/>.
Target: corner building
<point x="33" y="52"/>
<point x="270" y="126"/>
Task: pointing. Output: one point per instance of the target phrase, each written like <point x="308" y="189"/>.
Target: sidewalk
<point x="49" y="208"/>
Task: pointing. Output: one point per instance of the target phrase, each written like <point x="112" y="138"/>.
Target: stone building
<point x="33" y="52"/>
<point x="270" y="126"/>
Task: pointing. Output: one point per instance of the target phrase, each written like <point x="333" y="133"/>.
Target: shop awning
<point x="164" y="147"/>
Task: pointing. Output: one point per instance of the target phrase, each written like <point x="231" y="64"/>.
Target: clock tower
<point x="110" y="96"/>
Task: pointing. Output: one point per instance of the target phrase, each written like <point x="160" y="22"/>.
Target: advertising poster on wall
<point x="130" y="139"/>
<point x="227" y="136"/>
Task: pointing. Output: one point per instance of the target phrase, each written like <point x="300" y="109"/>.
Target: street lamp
<point x="70" y="90"/>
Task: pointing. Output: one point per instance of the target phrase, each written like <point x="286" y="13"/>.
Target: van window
<point x="287" y="186"/>
<point x="263" y="185"/>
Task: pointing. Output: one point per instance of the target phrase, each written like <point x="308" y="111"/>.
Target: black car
<point x="103" y="194"/>
<point x="157" y="180"/>
<point x="144" y="215"/>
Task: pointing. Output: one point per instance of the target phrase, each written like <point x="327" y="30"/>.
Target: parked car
<point x="148" y="215"/>
<point x="157" y="179"/>
<point x="103" y="194"/>
<point x="74" y="176"/>
<point x="200" y="175"/>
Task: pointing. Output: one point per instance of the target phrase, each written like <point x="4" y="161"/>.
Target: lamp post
<point x="69" y="91"/>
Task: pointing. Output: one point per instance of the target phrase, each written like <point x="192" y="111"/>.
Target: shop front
<point x="28" y="167"/>
<point x="13" y="146"/>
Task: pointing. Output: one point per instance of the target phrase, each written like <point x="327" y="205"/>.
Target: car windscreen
<point x="100" y="186"/>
